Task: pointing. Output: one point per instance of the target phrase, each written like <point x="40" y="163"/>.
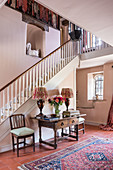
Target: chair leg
<point x="13" y="143"/>
<point x="33" y="143"/>
<point x="24" y="142"/>
<point x="17" y="147"/>
<point x="83" y="128"/>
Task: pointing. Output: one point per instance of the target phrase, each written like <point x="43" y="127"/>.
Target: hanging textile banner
<point x="109" y="125"/>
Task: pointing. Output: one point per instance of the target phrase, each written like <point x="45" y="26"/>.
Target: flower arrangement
<point x="56" y="101"/>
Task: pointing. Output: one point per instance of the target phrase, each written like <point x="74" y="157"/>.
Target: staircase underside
<point x="94" y="16"/>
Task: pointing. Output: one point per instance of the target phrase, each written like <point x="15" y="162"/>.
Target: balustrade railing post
<point x="23" y="88"/>
<point x="45" y="74"/>
<point x="34" y="78"/>
<point x="4" y="104"/>
<point x="40" y="74"/>
<point x="30" y="83"/>
<point x="0" y="109"/>
<point x="15" y="94"/>
<point x="64" y="54"/>
<point x="48" y="68"/>
<point x="8" y="104"/>
<point x="19" y="95"/>
<point x="12" y="98"/>
<point x="37" y="75"/>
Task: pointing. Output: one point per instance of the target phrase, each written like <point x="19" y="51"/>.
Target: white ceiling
<point x="95" y="16"/>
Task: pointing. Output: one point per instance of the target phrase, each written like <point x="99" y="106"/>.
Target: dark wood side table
<point x="55" y="124"/>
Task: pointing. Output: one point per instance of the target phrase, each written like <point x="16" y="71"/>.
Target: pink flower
<point x="57" y="100"/>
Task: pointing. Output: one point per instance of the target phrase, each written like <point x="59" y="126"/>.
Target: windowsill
<point x="97" y="100"/>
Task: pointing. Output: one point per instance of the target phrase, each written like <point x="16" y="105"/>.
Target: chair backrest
<point x="17" y="121"/>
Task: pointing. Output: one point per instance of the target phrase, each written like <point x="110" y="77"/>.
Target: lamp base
<point x="67" y="103"/>
<point x="40" y="104"/>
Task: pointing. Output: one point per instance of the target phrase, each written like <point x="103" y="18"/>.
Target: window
<point x="95" y="86"/>
<point x="99" y="86"/>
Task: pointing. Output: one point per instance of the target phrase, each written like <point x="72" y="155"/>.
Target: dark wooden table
<point x="55" y="124"/>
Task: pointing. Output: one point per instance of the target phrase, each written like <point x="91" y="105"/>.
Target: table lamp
<point x="67" y="93"/>
<point x="40" y="94"/>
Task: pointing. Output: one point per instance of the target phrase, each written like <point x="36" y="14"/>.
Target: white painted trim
<point x="5" y="148"/>
<point x="94" y="123"/>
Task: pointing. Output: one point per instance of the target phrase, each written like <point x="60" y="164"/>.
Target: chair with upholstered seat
<point x="81" y="121"/>
<point x="20" y="131"/>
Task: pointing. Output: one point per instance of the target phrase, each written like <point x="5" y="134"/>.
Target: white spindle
<point x="30" y="83"/>
<point x="4" y="105"/>
<point x="58" y="56"/>
<point x="33" y="78"/>
<point x="64" y="54"/>
<point x="70" y="50"/>
<point x="23" y="88"/>
<point x="0" y="109"/>
<point x="50" y="65"/>
<point x="48" y="68"/>
<point x="16" y="95"/>
<point x="55" y="57"/>
<point x="53" y="64"/>
<point x="12" y="98"/>
<point x="8" y="104"/>
<point x="40" y="74"/>
<point x="45" y="73"/>
<point x="37" y="75"/>
<point x="19" y="95"/>
<point x="27" y="85"/>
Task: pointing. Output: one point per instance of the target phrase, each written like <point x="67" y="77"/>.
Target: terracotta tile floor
<point x="10" y="161"/>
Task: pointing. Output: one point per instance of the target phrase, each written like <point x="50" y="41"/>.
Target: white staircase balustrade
<point x="19" y="90"/>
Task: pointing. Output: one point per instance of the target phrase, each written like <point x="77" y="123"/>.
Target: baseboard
<point x="5" y="148"/>
<point x="94" y="123"/>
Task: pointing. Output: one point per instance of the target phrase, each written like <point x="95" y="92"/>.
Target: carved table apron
<point x="58" y="124"/>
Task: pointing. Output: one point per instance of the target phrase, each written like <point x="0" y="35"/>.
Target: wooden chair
<point x="81" y="121"/>
<point x="19" y="131"/>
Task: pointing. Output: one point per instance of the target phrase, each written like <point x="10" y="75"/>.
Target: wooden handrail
<point x="33" y="66"/>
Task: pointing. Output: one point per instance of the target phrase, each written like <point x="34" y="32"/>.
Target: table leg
<point x="40" y="137"/>
<point x="55" y="141"/>
<point x="62" y="132"/>
<point x="76" y="132"/>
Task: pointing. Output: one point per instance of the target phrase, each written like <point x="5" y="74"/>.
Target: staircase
<point x="19" y="90"/>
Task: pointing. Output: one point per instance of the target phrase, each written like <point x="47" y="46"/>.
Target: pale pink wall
<point x="13" y="58"/>
<point x="68" y="82"/>
<point x="52" y="40"/>
<point x="99" y="113"/>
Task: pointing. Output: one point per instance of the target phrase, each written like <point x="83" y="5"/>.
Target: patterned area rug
<point x="91" y="154"/>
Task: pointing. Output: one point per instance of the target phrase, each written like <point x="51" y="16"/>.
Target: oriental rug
<point x="91" y="154"/>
